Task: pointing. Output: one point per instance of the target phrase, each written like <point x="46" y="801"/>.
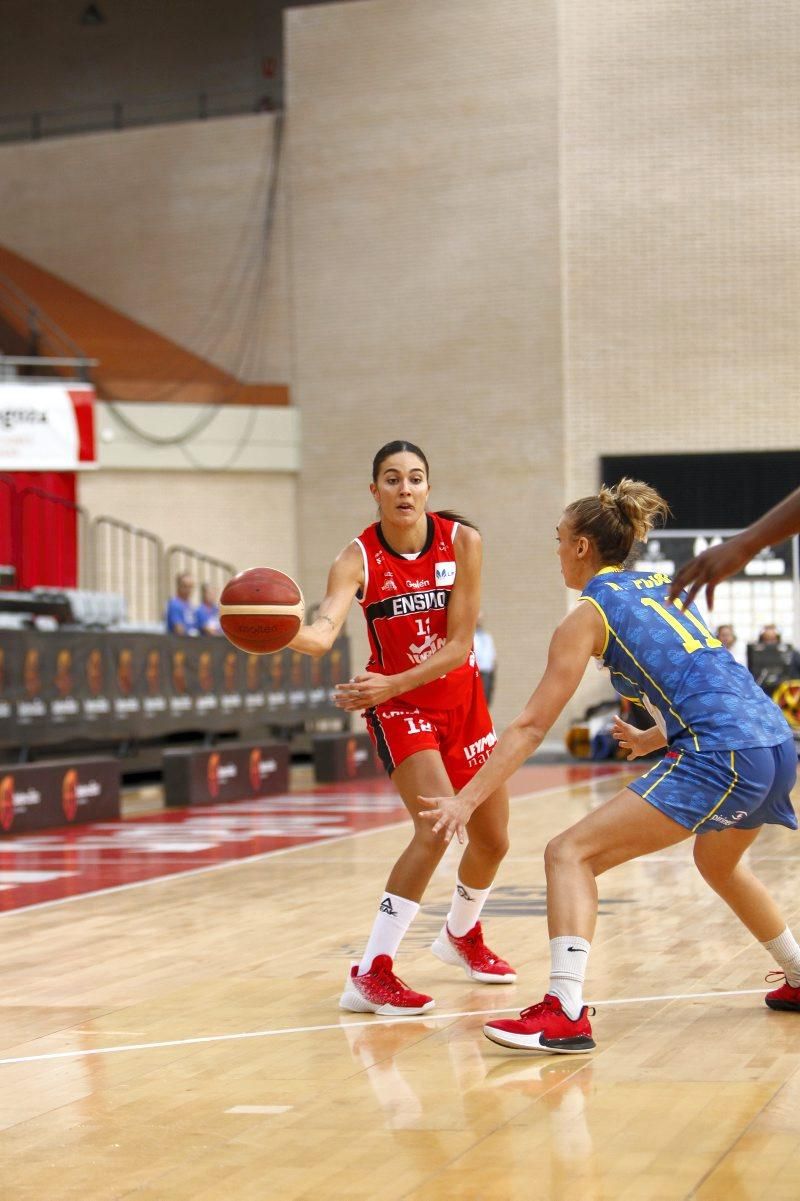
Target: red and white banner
<point x="46" y="427"/>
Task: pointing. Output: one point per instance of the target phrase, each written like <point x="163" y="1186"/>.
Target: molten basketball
<point x="261" y="610"/>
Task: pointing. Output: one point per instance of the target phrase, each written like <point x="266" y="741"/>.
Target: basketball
<point x="261" y="610"/>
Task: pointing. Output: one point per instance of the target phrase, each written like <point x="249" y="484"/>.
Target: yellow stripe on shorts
<point x="723" y="798"/>
<point x="655" y="783"/>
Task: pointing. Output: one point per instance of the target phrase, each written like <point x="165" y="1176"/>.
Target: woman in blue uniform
<point x="728" y="770"/>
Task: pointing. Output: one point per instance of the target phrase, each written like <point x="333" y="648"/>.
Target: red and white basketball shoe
<point x="785" y="997"/>
<point x="544" y="1027"/>
<point x="380" y="991"/>
<point x="471" y="952"/>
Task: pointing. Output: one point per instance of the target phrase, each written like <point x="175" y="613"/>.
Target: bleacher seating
<point x="98" y="610"/>
<point x="79" y="607"/>
<point x="14" y="621"/>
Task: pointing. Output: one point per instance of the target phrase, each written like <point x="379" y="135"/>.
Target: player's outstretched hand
<point x="364" y="691"/>
<point x="707" y="569"/>
<point x="449" y="815"/>
<point x="636" y="742"/>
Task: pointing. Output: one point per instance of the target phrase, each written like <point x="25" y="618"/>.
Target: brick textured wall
<point x="680" y="204"/>
<point x="425" y="279"/>
<point x="680" y="201"/>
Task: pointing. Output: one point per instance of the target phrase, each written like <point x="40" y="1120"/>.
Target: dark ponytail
<point x="449" y="515"/>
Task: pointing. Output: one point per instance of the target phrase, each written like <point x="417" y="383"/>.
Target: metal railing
<point x="46" y="366"/>
<point x="130" y="561"/>
<point x="109" y="556"/>
<point x="127" y="114"/>
<point x="205" y="568"/>
<point x="44" y="338"/>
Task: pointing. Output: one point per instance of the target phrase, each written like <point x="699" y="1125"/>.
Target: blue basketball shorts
<point x="722" y="790"/>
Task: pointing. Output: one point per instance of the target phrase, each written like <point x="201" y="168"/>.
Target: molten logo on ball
<point x="261" y="610"/>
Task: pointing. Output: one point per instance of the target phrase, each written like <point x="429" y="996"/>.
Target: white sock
<point x="465" y="908"/>
<point x="568" y="958"/>
<point x="786" y="953"/>
<point x="394" y="916"/>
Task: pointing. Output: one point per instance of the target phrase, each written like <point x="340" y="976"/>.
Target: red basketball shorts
<point x="464" y="736"/>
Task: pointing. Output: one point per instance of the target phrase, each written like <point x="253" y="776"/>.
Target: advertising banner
<point x="229" y="772"/>
<point x="46" y="427"/>
<point x="97" y="686"/>
<point x="39" y="796"/>
<point x="342" y="757"/>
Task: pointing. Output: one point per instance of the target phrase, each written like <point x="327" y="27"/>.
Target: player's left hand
<point x="364" y="691"/>
<point x="449" y="814"/>
<point x="630" y="738"/>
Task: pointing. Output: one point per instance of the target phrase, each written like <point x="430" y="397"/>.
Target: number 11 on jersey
<point x="690" y="642"/>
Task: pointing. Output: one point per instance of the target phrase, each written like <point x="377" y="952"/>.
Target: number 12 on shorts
<point x="418" y="725"/>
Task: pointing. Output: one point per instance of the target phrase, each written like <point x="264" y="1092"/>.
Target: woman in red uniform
<point x="417" y="577"/>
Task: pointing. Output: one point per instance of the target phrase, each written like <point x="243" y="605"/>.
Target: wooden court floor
<point x="181" y="1041"/>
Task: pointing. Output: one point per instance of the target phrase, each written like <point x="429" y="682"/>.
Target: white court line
<point x="374" y="1021"/>
<point x="302" y="846"/>
<point x="260" y="1109"/>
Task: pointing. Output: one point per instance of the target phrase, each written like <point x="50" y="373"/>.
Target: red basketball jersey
<point x="405" y="603"/>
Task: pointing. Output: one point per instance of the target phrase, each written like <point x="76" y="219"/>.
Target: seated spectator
<point x="207" y="613"/>
<point x="181" y="617"/>
<point x="771" y="660"/>
<point x="771" y="636"/>
<point x="727" y="636"/>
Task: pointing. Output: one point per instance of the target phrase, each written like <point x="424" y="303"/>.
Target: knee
<point x="714" y="872"/>
<point x="558" y="853"/>
<point x="426" y="843"/>
<point x="492" y="844"/>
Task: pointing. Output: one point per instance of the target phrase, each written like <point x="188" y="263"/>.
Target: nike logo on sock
<point x="582" y="949"/>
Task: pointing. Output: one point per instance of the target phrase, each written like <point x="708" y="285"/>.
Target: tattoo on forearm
<point x="322" y="617"/>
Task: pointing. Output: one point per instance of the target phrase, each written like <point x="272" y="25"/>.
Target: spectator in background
<point x="727" y="636"/>
<point x="771" y="636"/>
<point x="207" y="612"/>
<point x="771" y="660"/>
<point x="485" y="658"/>
<point x="181" y="617"/>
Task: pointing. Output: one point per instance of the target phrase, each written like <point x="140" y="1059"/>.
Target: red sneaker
<point x="785" y="997"/>
<point x="544" y="1027"/>
<point x="471" y="952"/>
<point x="380" y="991"/>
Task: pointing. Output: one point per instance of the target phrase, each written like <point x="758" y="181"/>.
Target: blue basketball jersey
<point x="663" y="656"/>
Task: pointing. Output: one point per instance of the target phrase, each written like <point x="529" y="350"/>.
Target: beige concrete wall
<point x="167" y="225"/>
<point x="425" y="278"/>
<point x="237" y="438"/>
<point x="245" y="519"/>
<point x="680" y="204"/>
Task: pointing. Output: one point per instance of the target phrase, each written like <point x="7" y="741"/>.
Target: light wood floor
<point x="245" y="1081"/>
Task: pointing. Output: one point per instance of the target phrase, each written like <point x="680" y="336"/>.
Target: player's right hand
<point x="707" y="569"/>
<point x="448" y="814"/>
